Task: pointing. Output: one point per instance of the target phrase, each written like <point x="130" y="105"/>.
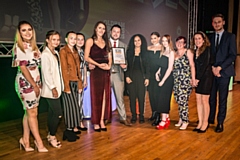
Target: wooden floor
<point x="139" y="142"/>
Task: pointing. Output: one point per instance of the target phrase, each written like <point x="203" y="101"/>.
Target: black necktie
<point x="217" y="42"/>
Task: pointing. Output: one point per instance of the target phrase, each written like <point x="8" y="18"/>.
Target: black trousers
<point x="54" y="114"/>
<point x="220" y="85"/>
<point x="137" y="90"/>
<point x="153" y="94"/>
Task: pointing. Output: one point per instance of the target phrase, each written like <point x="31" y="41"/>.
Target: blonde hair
<point x="19" y="41"/>
<point x="170" y="43"/>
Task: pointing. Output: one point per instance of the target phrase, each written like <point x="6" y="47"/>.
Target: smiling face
<point x="53" y="41"/>
<point x="198" y="40"/>
<point x="115" y="33"/>
<point x="71" y="39"/>
<point x="155" y="39"/>
<point x="165" y="42"/>
<point x="180" y="44"/>
<point x="100" y="30"/>
<point x="137" y="41"/>
<point x="26" y="32"/>
<point x="218" y="24"/>
<point x="80" y="41"/>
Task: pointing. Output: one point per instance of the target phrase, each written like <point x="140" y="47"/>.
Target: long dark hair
<point x="131" y="46"/>
<point x="206" y="42"/>
<point x="105" y="36"/>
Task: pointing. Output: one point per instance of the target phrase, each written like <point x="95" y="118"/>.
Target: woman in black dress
<point x="204" y="78"/>
<point x="165" y="81"/>
<point x="154" y="51"/>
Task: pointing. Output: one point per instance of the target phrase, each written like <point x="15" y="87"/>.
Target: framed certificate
<point x="118" y="55"/>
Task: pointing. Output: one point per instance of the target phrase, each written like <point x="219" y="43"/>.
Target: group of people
<point x="158" y="68"/>
<point x="206" y="66"/>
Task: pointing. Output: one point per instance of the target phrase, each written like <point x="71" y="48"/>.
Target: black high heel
<point x="196" y="129"/>
<point x="82" y="129"/>
<point x="203" y="131"/>
<point x="154" y="114"/>
<point x="157" y="120"/>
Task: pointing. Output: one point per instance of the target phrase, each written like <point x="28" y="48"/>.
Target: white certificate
<point x="118" y="55"/>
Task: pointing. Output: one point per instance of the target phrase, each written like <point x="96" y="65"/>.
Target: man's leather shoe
<point x="106" y="122"/>
<point x="219" y="128"/>
<point x="125" y="122"/>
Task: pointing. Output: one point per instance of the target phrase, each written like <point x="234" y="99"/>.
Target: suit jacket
<point x="226" y="53"/>
<point x="117" y="67"/>
<point x="51" y="74"/>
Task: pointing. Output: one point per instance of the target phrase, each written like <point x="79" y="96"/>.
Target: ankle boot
<point x="157" y="120"/>
<point x="153" y="116"/>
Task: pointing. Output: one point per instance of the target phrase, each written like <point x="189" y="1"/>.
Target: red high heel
<point x="168" y="122"/>
<point x="165" y="126"/>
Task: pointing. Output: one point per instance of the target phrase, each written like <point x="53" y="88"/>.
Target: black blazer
<point x="203" y="64"/>
<point x="226" y="54"/>
<point x="144" y="65"/>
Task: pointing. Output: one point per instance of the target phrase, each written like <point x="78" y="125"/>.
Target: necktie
<point x="217" y="42"/>
<point x="114" y="44"/>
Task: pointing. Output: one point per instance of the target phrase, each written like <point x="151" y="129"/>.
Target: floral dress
<point x="31" y="59"/>
<point x="182" y="87"/>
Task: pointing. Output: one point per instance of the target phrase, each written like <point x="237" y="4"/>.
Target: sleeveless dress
<point x="165" y="91"/>
<point x="31" y="59"/>
<point x="153" y="84"/>
<point x="100" y="83"/>
<point x="182" y="87"/>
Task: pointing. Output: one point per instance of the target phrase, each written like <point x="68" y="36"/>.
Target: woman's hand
<point x="85" y="83"/>
<point x="146" y="82"/>
<point x="54" y="93"/>
<point x="36" y="90"/>
<point x="196" y="83"/>
<point x="161" y="83"/>
<point x="104" y="66"/>
<point x="128" y="80"/>
<point x="80" y="91"/>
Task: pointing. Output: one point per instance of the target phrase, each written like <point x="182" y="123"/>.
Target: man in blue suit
<point x="224" y="51"/>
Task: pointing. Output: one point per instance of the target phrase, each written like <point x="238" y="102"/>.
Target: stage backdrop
<point x="135" y="16"/>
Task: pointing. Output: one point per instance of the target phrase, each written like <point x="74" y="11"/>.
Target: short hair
<point x="218" y="15"/>
<point x="116" y="25"/>
<point x="69" y="33"/>
<point x="155" y="33"/>
<point x="181" y="37"/>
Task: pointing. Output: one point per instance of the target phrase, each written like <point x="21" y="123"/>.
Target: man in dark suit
<point x="224" y="51"/>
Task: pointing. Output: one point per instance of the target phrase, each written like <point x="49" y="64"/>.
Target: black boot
<point x="153" y="116"/>
<point x="157" y="120"/>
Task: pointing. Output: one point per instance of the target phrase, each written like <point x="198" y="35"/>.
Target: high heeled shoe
<point x="160" y="127"/>
<point x="168" y="122"/>
<point x="203" y="131"/>
<point x="54" y="142"/>
<point x="184" y="126"/>
<point x="179" y="123"/>
<point x="82" y="128"/>
<point x="29" y="149"/>
<point x="196" y="129"/>
<point x="40" y="149"/>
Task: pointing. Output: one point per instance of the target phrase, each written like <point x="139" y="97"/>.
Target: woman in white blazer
<point x="52" y="84"/>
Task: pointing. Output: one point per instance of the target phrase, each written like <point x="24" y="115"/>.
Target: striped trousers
<point x="72" y="112"/>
